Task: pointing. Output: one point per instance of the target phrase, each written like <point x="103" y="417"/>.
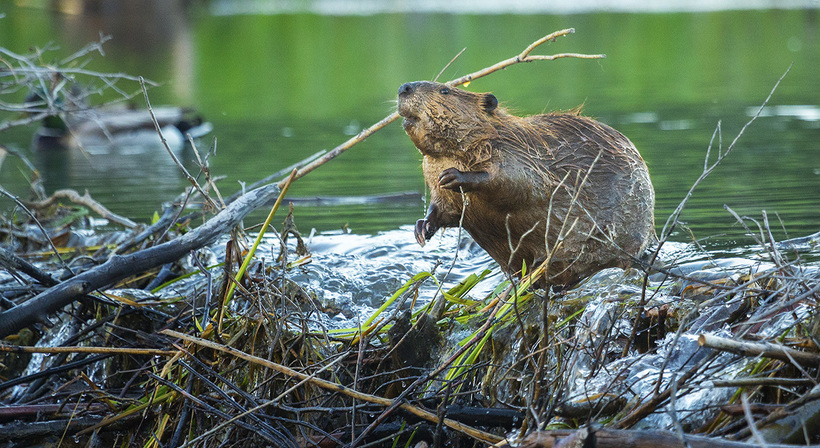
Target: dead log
<point x="120" y="267"/>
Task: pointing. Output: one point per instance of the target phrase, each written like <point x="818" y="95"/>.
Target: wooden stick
<point x="524" y="56"/>
<point x="764" y="349"/>
<point x="332" y="154"/>
<point x="764" y="381"/>
<point x="419" y="412"/>
<point x="75" y="349"/>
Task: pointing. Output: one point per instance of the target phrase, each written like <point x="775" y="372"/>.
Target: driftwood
<point x="119" y="267"/>
<point x="615" y="438"/>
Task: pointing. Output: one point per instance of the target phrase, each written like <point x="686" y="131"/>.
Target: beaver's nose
<point x="407" y="88"/>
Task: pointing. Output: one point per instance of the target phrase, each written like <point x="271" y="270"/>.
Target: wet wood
<point x="22" y="430"/>
<point x="75" y="349"/>
<point x="11" y="412"/>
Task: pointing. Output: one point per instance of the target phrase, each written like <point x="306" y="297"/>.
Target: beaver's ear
<point x="489" y="102"/>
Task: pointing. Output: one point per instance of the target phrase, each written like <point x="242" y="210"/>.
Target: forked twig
<point x="660" y="397"/>
<point x="672" y="220"/>
<point x="525" y="56"/>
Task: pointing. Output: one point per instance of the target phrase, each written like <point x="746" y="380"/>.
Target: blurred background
<point x="280" y="80"/>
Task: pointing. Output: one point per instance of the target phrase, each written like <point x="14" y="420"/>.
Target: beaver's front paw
<point x="450" y="179"/>
<point x="427" y="227"/>
<point x="453" y="179"/>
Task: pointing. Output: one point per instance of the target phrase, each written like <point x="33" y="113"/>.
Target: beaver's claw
<point x="424" y="231"/>
<point x="420" y="232"/>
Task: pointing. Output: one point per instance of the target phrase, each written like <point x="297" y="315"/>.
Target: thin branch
<point x="747" y="413"/>
<point x="525" y="57"/>
<point x="90" y="48"/>
<point x="205" y="196"/>
<point x="707" y="169"/>
<point x="39" y="226"/>
<point x="449" y="63"/>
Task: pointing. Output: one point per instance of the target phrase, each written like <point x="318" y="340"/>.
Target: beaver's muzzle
<point x="408" y="88"/>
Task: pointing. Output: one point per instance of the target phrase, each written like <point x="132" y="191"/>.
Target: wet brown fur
<point x="556" y="186"/>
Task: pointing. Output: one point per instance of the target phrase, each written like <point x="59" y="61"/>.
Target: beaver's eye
<point x="444" y="90"/>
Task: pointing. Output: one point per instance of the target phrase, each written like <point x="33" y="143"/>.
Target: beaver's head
<point x="441" y="119"/>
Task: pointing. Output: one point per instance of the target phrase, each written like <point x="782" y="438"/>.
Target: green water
<point x="280" y="87"/>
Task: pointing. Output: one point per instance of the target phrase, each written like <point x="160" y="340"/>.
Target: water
<point x="280" y="87"/>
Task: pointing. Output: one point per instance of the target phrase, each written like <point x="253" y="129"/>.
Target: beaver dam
<point x="204" y="329"/>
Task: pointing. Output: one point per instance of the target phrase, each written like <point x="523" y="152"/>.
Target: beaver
<point x="556" y="187"/>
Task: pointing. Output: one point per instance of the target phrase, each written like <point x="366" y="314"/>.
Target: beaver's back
<point x="586" y="178"/>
